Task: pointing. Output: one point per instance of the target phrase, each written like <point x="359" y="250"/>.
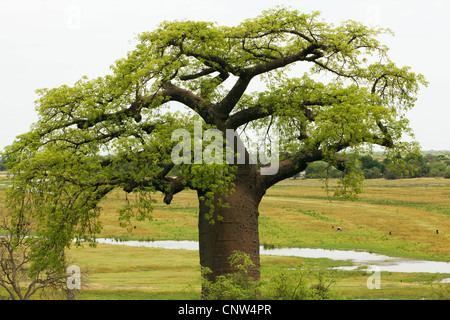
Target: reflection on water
<point x="359" y="258"/>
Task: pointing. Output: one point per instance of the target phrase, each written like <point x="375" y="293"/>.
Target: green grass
<point x="154" y="274"/>
<point x="299" y="213"/>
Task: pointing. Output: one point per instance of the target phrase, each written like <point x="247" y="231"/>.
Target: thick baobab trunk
<point x="238" y="230"/>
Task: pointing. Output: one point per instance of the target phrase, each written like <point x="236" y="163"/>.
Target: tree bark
<point x="237" y="230"/>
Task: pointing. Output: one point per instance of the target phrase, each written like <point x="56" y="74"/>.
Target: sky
<point x="48" y="43"/>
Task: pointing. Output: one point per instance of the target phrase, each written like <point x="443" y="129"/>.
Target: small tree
<point x="2" y="164"/>
<point x="17" y="277"/>
<point x="232" y="286"/>
<point x="447" y="174"/>
<point x="372" y="173"/>
<point x="437" y="168"/>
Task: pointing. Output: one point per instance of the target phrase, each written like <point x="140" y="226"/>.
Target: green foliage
<point x="233" y="286"/>
<point x="2" y="164"/>
<point x="372" y="173"/>
<point x="413" y="165"/>
<point x="20" y="279"/>
<point x="299" y="284"/>
<point x="321" y="169"/>
<point x="447" y="174"/>
<point x="434" y="172"/>
<point x="437" y="168"/>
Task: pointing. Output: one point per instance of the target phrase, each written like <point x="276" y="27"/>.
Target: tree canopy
<point x="116" y="131"/>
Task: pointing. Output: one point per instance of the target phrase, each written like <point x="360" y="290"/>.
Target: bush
<point x="435" y="172"/>
<point x="16" y="276"/>
<point x="316" y="169"/>
<point x="300" y="284"/>
<point x="232" y="286"/>
<point x="441" y="166"/>
<point x="447" y="174"/>
<point x="321" y="169"/>
<point x="372" y="173"/>
<point x="391" y="174"/>
<point x="2" y="165"/>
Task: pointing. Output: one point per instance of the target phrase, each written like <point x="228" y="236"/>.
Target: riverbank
<point x="110" y="272"/>
<point x="358" y="258"/>
<point x="401" y="218"/>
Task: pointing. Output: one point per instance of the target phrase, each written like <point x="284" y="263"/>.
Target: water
<point x="359" y="258"/>
<point x="4" y="182"/>
<point x="168" y="244"/>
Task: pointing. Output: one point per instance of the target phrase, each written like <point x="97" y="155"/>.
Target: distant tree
<point x="316" y="169"/>
<point x="439" y="167"/>
<point x="368" y="162"/>
<point x="417" y="166"/>
<point x="392" y="172"/>
<point x="372" y="173"/>
<point x="2" y="164"/>
<point x="60" y="176"/>
<point x="321" y="169"/>
<point x="434" y="172"/>
<point x="447" y="174"/>
<point x="371" y="167"/>
<point x="430" y="157"/>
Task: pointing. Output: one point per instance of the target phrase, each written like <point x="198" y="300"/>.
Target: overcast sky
<point x="47" y="43"/>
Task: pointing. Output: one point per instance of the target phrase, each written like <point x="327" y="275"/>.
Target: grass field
<point x="299" y="213"/>
<point x="294" y="213"/>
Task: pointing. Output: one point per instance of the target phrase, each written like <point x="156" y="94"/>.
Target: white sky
<point x="47" y="43"/>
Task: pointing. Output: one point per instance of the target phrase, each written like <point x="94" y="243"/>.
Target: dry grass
<point x="411" y="210"/>
<point x="397" y="217"/>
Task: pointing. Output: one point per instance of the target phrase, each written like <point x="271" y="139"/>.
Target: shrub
<point x="434" y="172"/>
<point x="391" y="174"/>
<point x="441" y="166"/>
<point x="447" y="174"/>
<point x="372" y="173"/>
<point x="232" y="286"/>
<point x="300" y="284"/>
<point x="17" y="279"/>
<point x="316" y="169"/>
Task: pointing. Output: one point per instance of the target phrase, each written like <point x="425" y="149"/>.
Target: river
<point x="358" y="258"/>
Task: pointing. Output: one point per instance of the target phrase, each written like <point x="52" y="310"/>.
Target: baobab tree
<point x="117" y="132"/>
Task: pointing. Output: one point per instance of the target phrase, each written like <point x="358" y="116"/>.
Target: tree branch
<point x="247" y="115"/>
<point x="198" y="74"/>
<point x="224" y="107"/>
<point x="291" y="166"/>
<point x="232" y="98"/>
<point x="174" y="185"/>
<point x="187" y="98"/>
<point x="286" y="60"/>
